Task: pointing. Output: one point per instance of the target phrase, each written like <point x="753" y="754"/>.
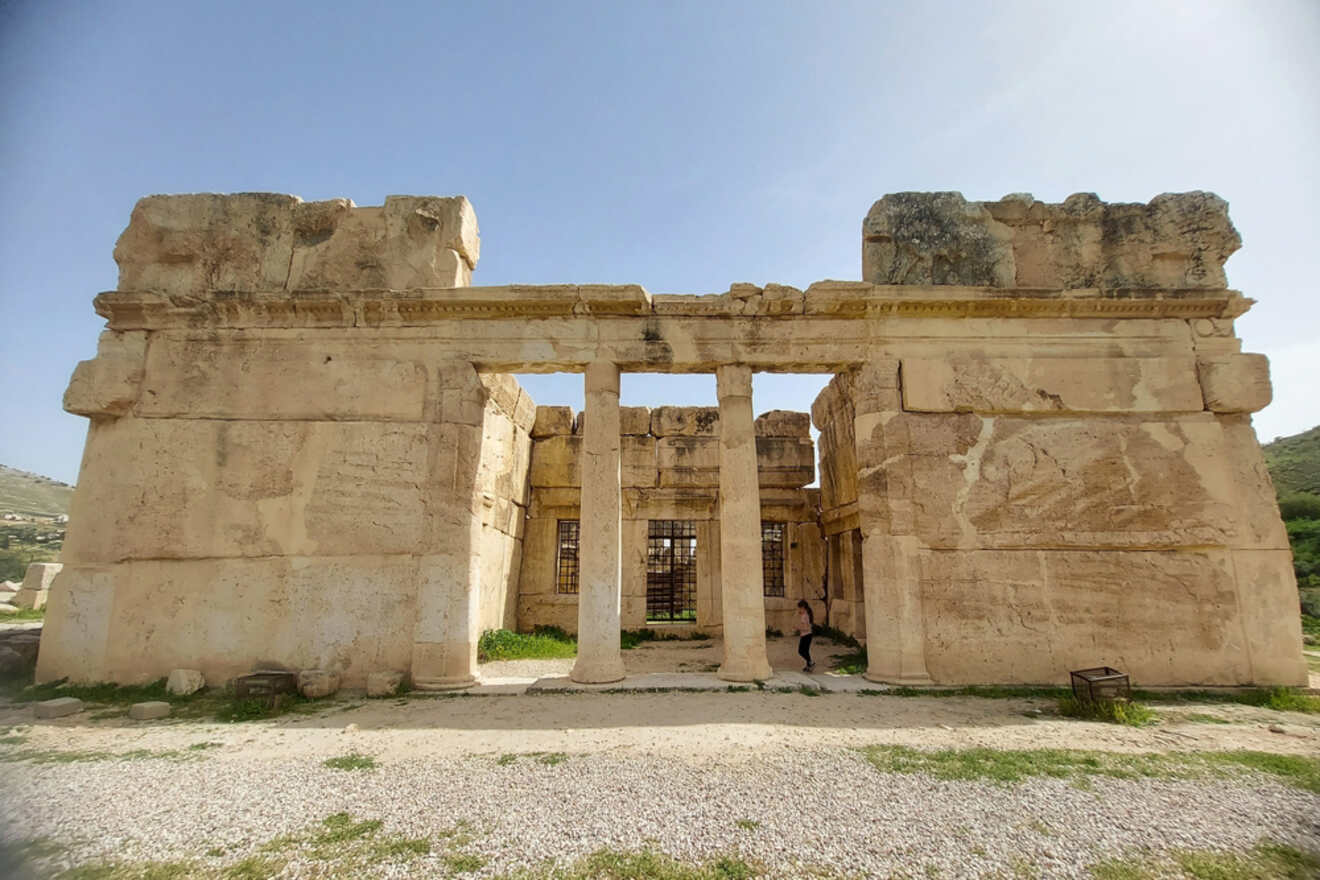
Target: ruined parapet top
<point x="265" y="242"/>
<point x="1177" y="241"/>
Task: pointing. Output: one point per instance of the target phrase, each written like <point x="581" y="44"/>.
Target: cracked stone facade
<point x="305" y="447"/>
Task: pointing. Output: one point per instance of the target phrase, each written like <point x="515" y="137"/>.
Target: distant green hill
<point x="29" y="494"/>
<point x="1294" y="462"/>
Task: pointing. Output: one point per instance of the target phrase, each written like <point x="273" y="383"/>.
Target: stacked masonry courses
<point x="1036" y="453"/>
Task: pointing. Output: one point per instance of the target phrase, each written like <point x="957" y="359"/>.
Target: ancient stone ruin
<point x="307" y="449"/>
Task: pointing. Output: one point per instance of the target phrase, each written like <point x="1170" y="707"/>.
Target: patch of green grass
<point x="809" y="691"/>
<point x="989" y="692"/>
<point x="1280" y="699"/>
<point x="1202" y="718"/>
<point x="351" y="761"/>
<point x="646" y="864"/>
<point x="1012" y="765"/>
<point x="464" y="863"/>
<point x="543" y="643"/>
<point x="852" y="663"/>
<point x="203" y="746"/>
<point x="1266" y="860"/>
<point x="254" y="868"/>
<point x="340" y="827"/>
<point x="1114" y="711"/>
<point x="838" y="636"/>
<point x="550" y="758"/>
<point x="105" y="693"/>
<point x="131" y="871"/>
<point x="23" y="614"/>
<point x="79" y="756"/>
<point x="748" y="824"/>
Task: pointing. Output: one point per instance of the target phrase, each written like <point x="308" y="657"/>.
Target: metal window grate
<point x="671" y="570"/>
<point x="772" y="557"/>
<point x="567" y="566"/>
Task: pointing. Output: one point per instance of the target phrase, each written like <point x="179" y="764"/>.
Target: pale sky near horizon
<point x="679" y="145"/>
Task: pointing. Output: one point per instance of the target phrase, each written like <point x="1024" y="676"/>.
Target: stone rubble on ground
<point x="383" y="684"/>
<point x="317" y="683"/>
<point x="58" y="707"/>
<point x="185" y="681"/>
<point x="149" y="710"/>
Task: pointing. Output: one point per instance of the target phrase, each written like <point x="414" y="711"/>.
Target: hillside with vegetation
<point x="30" y="505"/>
<point x="1294" y="464"/>
<point x="28" y="494"/>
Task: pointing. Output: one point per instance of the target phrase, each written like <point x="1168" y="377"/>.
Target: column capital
<point x="602" y="376"/>
<point x="733" y="380"/>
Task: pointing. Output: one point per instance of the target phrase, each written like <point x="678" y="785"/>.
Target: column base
<point x="917" y="679"/>
<point x="742" y="675"/>
<point x="443" y="684"/>
<point x="597" y="673"/>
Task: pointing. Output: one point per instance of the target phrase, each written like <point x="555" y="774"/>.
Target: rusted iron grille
<point x="671" y="570"/>
<point x="567" y="577"/>
<point x="772" y="557"/>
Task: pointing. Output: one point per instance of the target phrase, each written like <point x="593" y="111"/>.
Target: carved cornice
<point x="130" y="310"/>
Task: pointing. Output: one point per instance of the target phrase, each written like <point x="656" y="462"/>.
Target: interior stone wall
<point x="670" y="470"/>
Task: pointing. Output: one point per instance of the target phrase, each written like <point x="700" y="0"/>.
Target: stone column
<point x="599" y="658"/>
<point x="891" y="560"/>
<point x="742" y="590"/>
<point x="444" y="652"/>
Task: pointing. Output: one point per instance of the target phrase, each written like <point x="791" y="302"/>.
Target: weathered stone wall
<point x="280" y="499"/>
<point x="1083" y="513"/>
<point x="1036" y="453"/>
<point x="670" y="470"/>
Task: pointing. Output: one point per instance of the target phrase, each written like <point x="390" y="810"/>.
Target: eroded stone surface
<point x="182" y="682"/>
<point x="149" y="711"/>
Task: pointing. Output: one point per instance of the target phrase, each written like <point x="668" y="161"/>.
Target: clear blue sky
<point x="682" y="146"/>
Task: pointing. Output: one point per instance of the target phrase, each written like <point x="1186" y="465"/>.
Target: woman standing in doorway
<point x="806" y="620"/>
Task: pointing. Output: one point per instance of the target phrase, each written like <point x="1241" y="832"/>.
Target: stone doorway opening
<point x="671" y="571"/>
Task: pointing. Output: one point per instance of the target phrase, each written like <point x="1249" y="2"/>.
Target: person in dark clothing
<point x="806" y="622"/>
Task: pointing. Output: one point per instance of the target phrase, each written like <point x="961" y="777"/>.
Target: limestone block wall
<point x="286" y="497"/>
<point x="1060" y="513"/>
<point x="670" y="470"/>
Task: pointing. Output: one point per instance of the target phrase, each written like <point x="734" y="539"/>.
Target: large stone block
<point x="1238" y="383"/>
<point x="557" y="461"/>
<point x="57" y="708"/>
<point x="1165" y="618"/>
<point x="149" y="711"/>
<point x="967" y="481"/>
<point x="785" y="461"/>
<point x="182" y="682"/>
<point x="634" y="420"/>
<point x="273" y="378"/>
<point x="108" y="385"/>
<point x="638" y="460"/>
<point x="134" y="622"/>
<point x="552" y="421"/>
<point x="1176" y="241"/>
<point x="192" y="244"/>
<point x="1074" y="385"/>
<point x="685" y="421"/>
<point x="36" y="585"/>
<point x="783" y="423"/>
<point x="180" y="488"/>
<point x="935" y="238"/>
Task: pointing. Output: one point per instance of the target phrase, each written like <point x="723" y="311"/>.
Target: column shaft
<point x="741" y="586"/>
<point x="599" y="659"/>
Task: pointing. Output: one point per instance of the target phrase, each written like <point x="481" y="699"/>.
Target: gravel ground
<point x="804" y="812"/>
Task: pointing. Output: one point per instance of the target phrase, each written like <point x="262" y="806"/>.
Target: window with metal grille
<point x="567" y="566"/>
<point x="772" y="557"/>
<point x="671" y="570"/>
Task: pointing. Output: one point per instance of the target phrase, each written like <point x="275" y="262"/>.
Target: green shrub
<point x="1300" y="505"/>
<point x="1113" y="711"/>
<point x="543" y="643"/>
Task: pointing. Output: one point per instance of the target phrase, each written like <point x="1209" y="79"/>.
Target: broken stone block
<point x="552" y="421"/>
<point x="6" y="608"/>
<point x="185" y="681"/>
<point x="383" y="684"/>
<point x="634" y="420"/>
<point x="58" y="707"/>
<point x="316" y="683"/>
<point x="149" y="710"/>
<point x="935" y="238"/>
<point x="783" y="423"/>
<point x="685" y="421"/>
<point x="36" y="585"/>
<point x="1235" y="383"/>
